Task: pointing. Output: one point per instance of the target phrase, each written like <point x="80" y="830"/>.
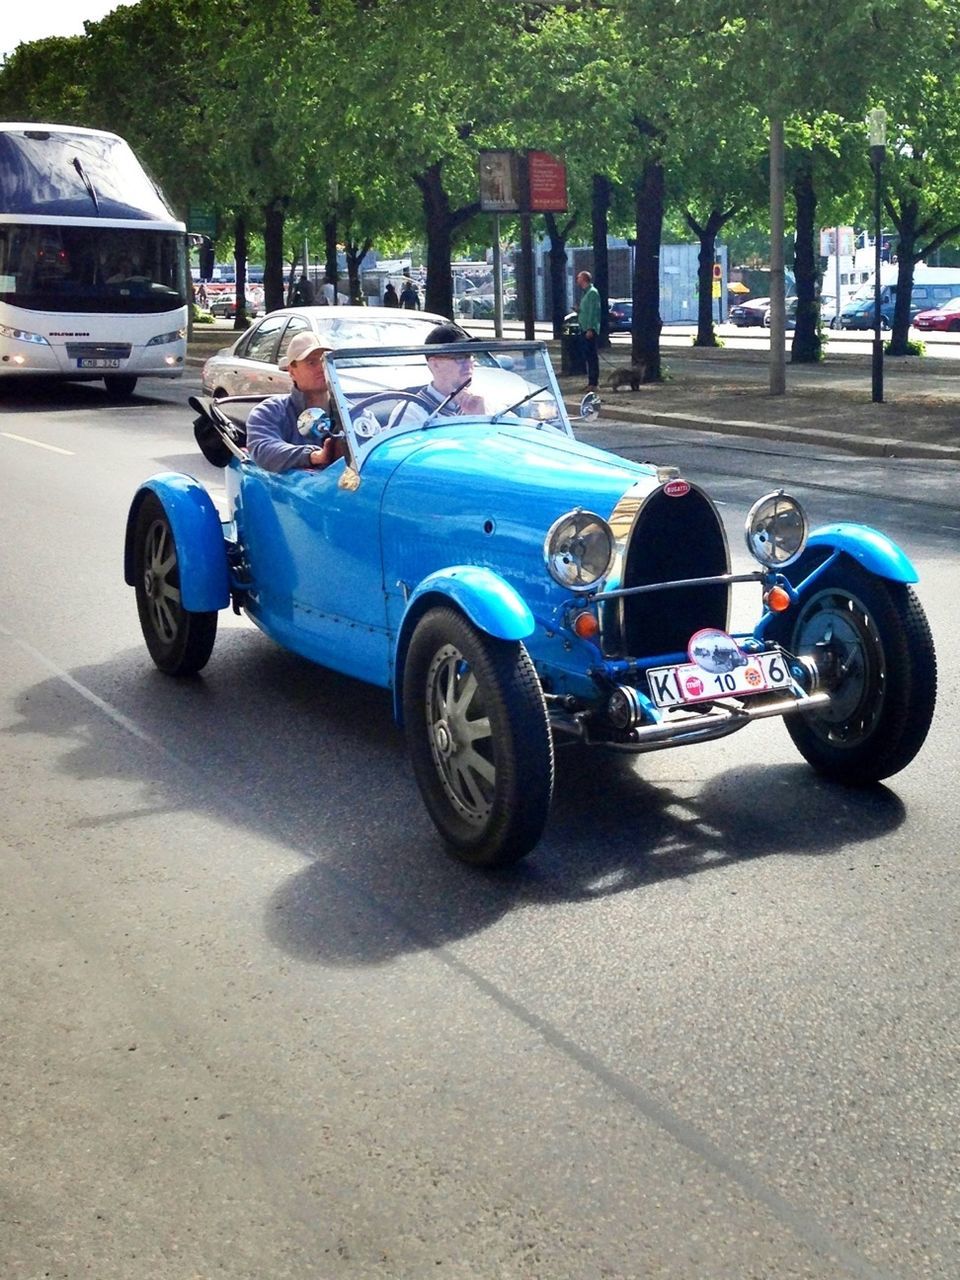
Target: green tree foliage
<point x="360" y="121"/>
<point x="44" y="80"/>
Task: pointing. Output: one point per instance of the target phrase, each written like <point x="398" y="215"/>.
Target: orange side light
<point x="586" y="626"/>
<point x="777" y="599"/>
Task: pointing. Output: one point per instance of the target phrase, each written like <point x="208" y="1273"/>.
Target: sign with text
<point x="830" y="237"/>
<point x="499" y="182"/>
<point x="547" y="183"/>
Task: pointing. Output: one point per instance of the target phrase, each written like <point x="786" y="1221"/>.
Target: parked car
<point x="789" y="314"/>
<point x="510" y="584"/>
<point x="860" y="313"/>
<point x="751" y="312"/>
<point x="225" y="306"/>
<point x="249" y="365"/>
<point x="620" y="313"/>
<point x="946" y="318"/>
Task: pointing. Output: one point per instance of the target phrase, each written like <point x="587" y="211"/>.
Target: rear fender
<point x="198" y="533"/>
<point x="868" y="547"/>
<point x="490" y="603"/>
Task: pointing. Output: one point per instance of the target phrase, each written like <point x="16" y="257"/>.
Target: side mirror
<point x="590" y="406"/>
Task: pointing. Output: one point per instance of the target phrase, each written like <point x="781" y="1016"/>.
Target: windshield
<point x="75" y="174"/>
<point x="389" y="391"/>
<point x="92" y="269"/>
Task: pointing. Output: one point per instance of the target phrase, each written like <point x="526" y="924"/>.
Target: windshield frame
<point x="487" y="355"/>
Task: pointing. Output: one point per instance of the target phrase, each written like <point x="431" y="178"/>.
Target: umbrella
<point x="737" y="287"/>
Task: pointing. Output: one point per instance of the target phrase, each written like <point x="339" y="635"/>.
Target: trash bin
<point x="572" y="361"/>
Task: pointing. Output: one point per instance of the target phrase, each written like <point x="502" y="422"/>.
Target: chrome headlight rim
<point x="559" y="551"/>
<point x="776" y="529"/>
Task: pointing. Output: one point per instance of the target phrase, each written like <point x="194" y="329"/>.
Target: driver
<point x="448" y="373"/>
<point x="273" y="437"/>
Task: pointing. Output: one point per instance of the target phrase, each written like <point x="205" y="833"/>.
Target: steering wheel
<point x="388" y="397"/>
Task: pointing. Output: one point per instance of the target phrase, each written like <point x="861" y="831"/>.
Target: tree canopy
<point x="363" y="119"/>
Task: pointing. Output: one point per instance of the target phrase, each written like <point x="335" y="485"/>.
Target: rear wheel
<point x="120" y="385"/>
<point x="479" y="739"/>
<point x="180" y="642"/>
<point x="871" y="639"/>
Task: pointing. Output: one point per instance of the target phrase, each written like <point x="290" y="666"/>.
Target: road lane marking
<point x="38" y="443"/>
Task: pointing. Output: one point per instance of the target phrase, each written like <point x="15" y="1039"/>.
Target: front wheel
<point x="479" y="739"/>
<point x="871" y="639"/>
<point x="180" y="642"/>
<point x="120" y="386"/>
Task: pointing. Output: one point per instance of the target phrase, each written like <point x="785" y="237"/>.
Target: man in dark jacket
<point x="409" y="298"/>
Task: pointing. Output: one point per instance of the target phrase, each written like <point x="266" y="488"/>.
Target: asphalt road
<point x="256" y="1025"/>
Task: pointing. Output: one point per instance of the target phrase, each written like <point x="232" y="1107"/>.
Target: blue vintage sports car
<point x="513" y="586"/>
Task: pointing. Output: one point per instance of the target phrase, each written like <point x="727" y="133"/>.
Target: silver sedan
<point x="250" y="365"/>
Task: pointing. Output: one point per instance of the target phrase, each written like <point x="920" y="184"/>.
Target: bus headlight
<point x="578" y="550"/>
<point x="776" y="529"/>
<point x="22" y="335"/>
<point x="161" y="340"/>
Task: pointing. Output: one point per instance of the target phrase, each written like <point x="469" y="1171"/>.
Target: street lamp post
<point x="877" y="129"/>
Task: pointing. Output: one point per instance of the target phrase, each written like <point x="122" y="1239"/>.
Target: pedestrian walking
<point x="409" y="298"/>
<point x="390" y="298"/>
<point x="589" y="319"/>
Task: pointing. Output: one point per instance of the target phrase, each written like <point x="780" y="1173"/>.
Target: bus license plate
<point x="98" y="364"/>
<point x="676" y="686"/>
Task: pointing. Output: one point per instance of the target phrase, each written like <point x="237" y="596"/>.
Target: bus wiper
<point x="86" y="182"/>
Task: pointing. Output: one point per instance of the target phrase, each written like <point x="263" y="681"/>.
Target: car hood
<point x="488" y="494"/>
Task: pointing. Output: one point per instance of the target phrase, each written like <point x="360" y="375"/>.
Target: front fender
<point x="198" y="534"/>
<point x="874" y="550"/>
<point x="490" y="603"/>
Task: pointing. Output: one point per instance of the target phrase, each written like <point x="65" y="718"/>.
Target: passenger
<point x="448" y="373"/>
<point x="273" y="436"/>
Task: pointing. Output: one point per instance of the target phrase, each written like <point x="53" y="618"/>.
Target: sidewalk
<point x="829" y="404"/>
<point x="726" y="390"/>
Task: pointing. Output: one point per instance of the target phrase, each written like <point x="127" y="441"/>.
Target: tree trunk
<point x="557" y="301"/>
<point x="706" y="233"/>
<point x="440" y="222"/>
<point x="355" y="255"/>
<point x="648" y="194"/>
<point x="807" y="346"/>
<point x="274" y="216"/>
<point x="240" y="319"/>
<point x="332" y="267"/>
<point x="600" y="199"/>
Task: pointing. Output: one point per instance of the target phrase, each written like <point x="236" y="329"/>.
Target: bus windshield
<point x="65" y="174"/>
<point x="91" y="269"/>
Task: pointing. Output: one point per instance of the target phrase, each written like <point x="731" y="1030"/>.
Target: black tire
<point x="885" y="686"/>
<point x="120" y="386"/>
<point x="180" y="642"/>
<point x="479" y="739"/>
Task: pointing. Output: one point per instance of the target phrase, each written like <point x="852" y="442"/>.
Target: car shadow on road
<point x="311" y="760"/>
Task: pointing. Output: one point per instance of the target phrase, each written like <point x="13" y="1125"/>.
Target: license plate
<point x="98" y="364"/>
<point x="677" y="686"/>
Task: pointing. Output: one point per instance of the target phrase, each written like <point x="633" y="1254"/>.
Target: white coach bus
<point x="93" y="265"/>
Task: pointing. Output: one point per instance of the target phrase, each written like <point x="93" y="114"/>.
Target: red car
<point x="945" y="318"/>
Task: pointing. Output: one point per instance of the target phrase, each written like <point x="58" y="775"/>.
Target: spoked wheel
<point x="180" y="642"/>
<point x="872" y="642"/>
<point x="479" y="739"/>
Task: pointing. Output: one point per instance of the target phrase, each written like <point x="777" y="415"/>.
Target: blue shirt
<point x="273" y="440"/>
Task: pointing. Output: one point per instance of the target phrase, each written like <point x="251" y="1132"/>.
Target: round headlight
<point x="578" y="550"/>
<point x="776" y="529"/>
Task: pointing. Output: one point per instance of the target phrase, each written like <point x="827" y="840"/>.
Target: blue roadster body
<point x="512" y="585"/>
